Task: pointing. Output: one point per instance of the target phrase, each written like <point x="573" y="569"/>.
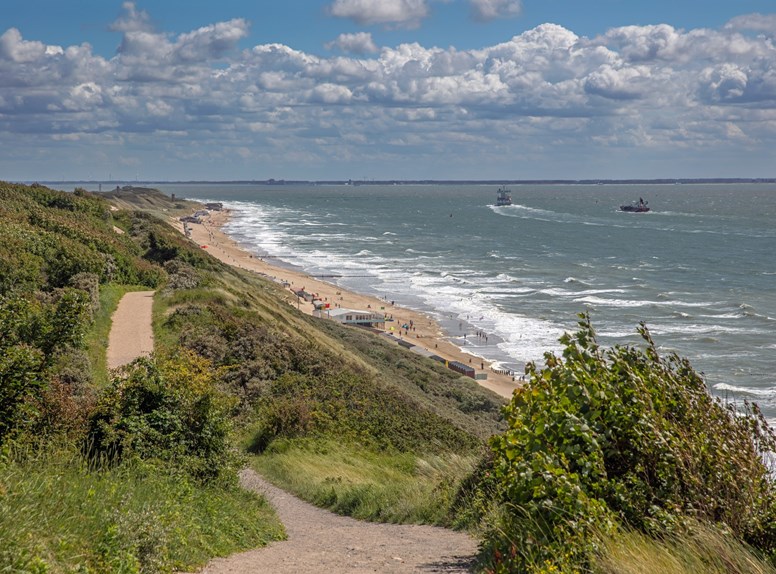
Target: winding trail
<point x="131" y="334"/>
<point x="325" y="543"/>
<point x="318" y="541"/>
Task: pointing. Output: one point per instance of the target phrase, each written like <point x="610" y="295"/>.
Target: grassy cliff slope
<point x="147" y="453"/>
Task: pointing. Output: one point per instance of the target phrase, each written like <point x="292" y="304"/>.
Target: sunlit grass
<point x="57" y="515"/>
<point x="704" y="550"/>
<point x="355" y="481"/>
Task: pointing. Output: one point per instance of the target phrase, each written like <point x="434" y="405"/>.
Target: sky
<point x="386" y="89"/>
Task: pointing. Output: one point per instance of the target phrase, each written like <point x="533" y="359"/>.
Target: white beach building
<point x="353" y="317"/>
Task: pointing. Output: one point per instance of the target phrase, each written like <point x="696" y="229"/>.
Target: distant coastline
<point x="658" y="181"/>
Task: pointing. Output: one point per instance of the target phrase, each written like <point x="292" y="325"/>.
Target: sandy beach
<point x="425" y="332"/>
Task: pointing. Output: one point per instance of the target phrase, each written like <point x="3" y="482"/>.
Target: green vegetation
<point x="608" y="460"/>
<point x="58" y="515"/>
<point x="622" y="438"/>
<point x="148" y="452"/>
<point x="398" y="487"/>
<point x="165" y="409"/>
<point x="700" y="549"/>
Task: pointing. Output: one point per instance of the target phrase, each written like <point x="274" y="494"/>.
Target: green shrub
<point x="39" y="335"/>
<point x="90" y="283"/>
<point x="72" y="314"/>
<point x="61" y="410"/>
<point x="21" y="378"/>
<point x="602" y="437"/>
<point x="181" y="275"/>
<point x="166" y="408"/>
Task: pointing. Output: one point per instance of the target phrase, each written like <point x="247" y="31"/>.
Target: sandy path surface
<point x="131" y="335"/>
<point x="426" y="333"/>
<point x="322" y="542"/>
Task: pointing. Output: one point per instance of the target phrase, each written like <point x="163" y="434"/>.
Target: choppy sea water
<point x="699" y="269"/>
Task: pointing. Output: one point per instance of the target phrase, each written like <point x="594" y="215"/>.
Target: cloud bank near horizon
<point x="542" y="98"/>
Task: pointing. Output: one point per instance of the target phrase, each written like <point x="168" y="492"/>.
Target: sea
<point x="506" y="282"/>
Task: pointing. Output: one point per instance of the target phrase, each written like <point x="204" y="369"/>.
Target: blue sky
<point x="337" y="89"/>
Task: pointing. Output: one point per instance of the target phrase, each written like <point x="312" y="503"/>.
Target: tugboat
<point x="640" y="207"/>
<point x="503" y="197"/>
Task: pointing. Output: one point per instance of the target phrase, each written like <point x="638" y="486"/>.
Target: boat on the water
<point x="636" y="207"/>
<point x="503" y="197"/>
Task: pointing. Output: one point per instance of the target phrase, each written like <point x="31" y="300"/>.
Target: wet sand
<point x="425" y="332"/>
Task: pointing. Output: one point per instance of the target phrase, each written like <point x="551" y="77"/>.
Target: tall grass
<point x="57" y="515"/>
<point x="704" y="550"/>
<point x="365" y="484"/>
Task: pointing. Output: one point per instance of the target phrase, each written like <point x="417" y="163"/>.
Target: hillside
<point x="147" y="199"/>
<point x="232" y="361"/>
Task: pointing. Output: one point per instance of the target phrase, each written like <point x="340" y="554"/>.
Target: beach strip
<point x="423" y="332"/>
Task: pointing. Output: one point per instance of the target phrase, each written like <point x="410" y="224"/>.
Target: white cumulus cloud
<point x="359" y="43"/>
<point x="485" y="10"/>
<point x="14" y="48"/>
<point x="546" y="92"/>
<point x="756" y="22"/>
<point x="133" y="20"/>
<point x="407" y="13"/>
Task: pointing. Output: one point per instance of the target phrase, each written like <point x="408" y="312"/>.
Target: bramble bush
<point x="600" y="439"/>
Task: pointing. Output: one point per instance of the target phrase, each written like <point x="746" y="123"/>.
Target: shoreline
<point x="425" y="333"/>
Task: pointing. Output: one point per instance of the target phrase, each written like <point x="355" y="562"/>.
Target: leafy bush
<point x="622" y="436"/>
<point x="71" y="366"/>
<point x="21" y="377"/>
<point x="62" y="412"/>
<point x="35" y="332"/>
<point x="181" y="275"/>
<point x="89" y="282"/>
<point x="165" y="408"/>
<point x="72" y="313"/>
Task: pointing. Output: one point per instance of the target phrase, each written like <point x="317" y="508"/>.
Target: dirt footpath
<point x="325" y="543"/>
<point x="318" y="541"/>
<point x="131" y="335"/>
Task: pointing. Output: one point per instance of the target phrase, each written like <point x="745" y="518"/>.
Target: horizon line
<point x="354" y="182"/>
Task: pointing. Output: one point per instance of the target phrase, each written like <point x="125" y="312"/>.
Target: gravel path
<point x="131" y="335"/>
<point x="325" y="543"/>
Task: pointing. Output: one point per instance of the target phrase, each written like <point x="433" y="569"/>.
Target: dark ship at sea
<point x="503" y="197"/>
<point x="636" y="207"/>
